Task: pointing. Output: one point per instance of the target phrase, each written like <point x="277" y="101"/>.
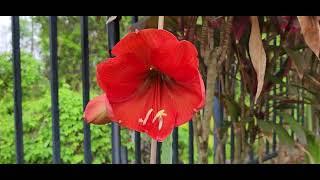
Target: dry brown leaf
<point x="111" y="18"/>
<point x="257" y="54"/>
<point x="310" y="29"/>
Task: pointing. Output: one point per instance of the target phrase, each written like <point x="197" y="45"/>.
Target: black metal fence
<point x="119" y="154"/>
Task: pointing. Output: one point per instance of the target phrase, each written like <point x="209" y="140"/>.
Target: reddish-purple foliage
<point x="240" y="25"/>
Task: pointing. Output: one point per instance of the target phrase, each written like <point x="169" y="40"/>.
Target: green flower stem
<point x="166" y="155"/>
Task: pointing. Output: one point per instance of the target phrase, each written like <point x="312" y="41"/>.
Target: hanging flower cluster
<point x="151" y="85"/>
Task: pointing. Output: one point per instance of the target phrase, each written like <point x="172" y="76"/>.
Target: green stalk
<point x="166" y="154"/>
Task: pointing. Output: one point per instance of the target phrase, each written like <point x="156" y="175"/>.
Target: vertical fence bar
<point x="54" y="89"/>
<point x="17" y="89"/>
<point x="218" y="120"/>
<point x="302" y="106"/>
<point x="158" y="159"/>
<point x="274" y="114"/>
<point x="287" y="95"/>
<point x="113" y="38"/>
<point x="274" y="119"/>
<point x="281" y="88"/>
<point x="299" y="105"/>
<point x="137" y="136"/>
<point x="191" y="130"/>
<point x="135" y="19"/>
<point x="137" y="147"/>
<point x="124" y="155"/>
<point x="234" y="87"/>
<point x="191" y="144"/>
<point x="116" y="156"/>
<point x="232" y="144"/>
<point x="85" y="86"/>
<point x="251" y="151"/>
<point x="267" y="151"/>
<point x="175" y="146"/>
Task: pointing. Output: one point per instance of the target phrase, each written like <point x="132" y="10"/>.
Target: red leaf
<point x="240" y="25"/>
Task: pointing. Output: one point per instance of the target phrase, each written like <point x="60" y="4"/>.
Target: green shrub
<point x="37" y="132"/>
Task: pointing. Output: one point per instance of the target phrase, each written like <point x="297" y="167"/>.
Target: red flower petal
<point x="98" y="110"/>
<point x="142" y="42"/>
<point x="179" y="102"/>
<point x="192" y="101"/>
<point x="177" y="60"/>
<point x="133" y="112"/>
<point x="121" y="76"/>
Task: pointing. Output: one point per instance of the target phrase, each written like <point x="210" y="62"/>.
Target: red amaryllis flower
<point x="152" y="84"/>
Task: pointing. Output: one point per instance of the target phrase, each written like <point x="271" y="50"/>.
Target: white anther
<point x="144" y="121"/>
<point x="159" y="115"/>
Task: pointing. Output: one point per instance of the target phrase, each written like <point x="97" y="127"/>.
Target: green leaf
<point x="265" y="126"/>
<point x="232" y="108"/>
<point x="268" y="127"/>
<point x="295" y="126"/>
<point x="274" y="79"/>
<point x="224" y="129"/>
<point x="286" y="106"/>
<point x="298" y="61"/>
<point x="313" y="146"/>
<point x="283" y="135"/>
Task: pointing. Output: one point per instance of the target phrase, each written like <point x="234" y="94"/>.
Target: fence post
<point x="113" y="38"/>
<point x="137" y="136"/>
<point x="158" y="159"/>
<point x="175" y="146"/>
<point x="274" y="116"/>
<point x="191" y="143"/>
<point x="218" y="120"/>
<point x="17" y="89"/>
<point x="54" y="89"/>
<point x="85" y="86"/>
<point x="124" y="155"/>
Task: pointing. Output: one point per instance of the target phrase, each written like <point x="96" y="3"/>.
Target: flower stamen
<point x="160" y="123"/>
<point x="159" y="116"/>
<point x="144" y="121"/>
